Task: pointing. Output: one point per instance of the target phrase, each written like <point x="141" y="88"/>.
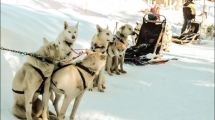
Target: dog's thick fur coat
<point x="100" y="43"/>
<point x="28" y="80"/>
<point x="116" y="50"/>
<point x="72" y="79"/>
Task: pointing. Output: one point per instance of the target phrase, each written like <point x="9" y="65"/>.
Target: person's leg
<point x="184" y="26"/>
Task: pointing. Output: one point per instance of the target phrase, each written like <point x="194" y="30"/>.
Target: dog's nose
<point x="133" y="33"/>
<point x="73" y="37"/>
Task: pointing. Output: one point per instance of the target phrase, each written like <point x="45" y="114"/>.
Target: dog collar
<point x="96" y="46"/>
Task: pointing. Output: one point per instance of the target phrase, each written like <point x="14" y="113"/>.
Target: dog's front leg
<point x="109" y="64"/>
<point x="45" y="99"/>
<point x="64" y="106"/>
<point x="75" y="106"/>
<point x="121" y="62"/>
<point x="116" y="65"/>
<point x="101" y="80"/>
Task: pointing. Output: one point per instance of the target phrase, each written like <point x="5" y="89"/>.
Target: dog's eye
<point x="75" y="32"/>
<point x="69" y="31"/>
<point x="107" y="34"/>
<point x="129" y="28"/>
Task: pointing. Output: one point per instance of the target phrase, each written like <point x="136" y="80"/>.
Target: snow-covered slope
<point x="177" y="90"/>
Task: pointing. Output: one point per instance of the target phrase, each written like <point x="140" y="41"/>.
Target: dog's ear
<point x="65" y="25"/>
<point x="123" y="27"/>
<point x="45" y="41"/>
<point x="99" y="29"/>
<point x="77" y="24"/>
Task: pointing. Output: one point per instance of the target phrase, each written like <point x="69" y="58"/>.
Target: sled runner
<point x="191" y="34"/>
<point x="149" y="40"/>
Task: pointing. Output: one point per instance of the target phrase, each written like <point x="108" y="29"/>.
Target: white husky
<point x="33" y="77"/>
<point x="67" y="38"/>
<point x="100" y="43"/>
<point x="73" y="80"/>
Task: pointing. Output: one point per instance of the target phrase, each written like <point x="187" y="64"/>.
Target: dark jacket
<point x="189" y="11"/>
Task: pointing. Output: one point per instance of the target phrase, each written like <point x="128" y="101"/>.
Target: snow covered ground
<point x="177" y="90"/>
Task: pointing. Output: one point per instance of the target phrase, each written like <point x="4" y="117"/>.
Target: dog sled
<point x="190" y="35"/>
<point x="149" y="42"/>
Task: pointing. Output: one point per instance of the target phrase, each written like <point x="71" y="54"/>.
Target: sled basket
<point x="191" y="34"/>
<point x="149" y="39"/>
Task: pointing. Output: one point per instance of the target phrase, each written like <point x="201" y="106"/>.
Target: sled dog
<point x="210" y="31"/>
<point x="137" y="31"/>
<point x="67" y="38"/>
<point x="33" y="79"/>
<point x="116" y="50"/>
<point x="100" y="43"/>
<point x="167" y="38"/>
<point x="72" y="81"/>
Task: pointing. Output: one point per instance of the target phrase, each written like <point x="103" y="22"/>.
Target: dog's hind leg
<point x="75" y="106"/>
<point x="37" y="108"/>
<point x="29" y="94"/>
<point x="19" y="111"/>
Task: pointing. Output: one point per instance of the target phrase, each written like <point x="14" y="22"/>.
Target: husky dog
<point x="100" y="43"/>
<point x="34" y="77"/>
<point x="210" y="31"/>
<point x="67" y="38"/>
<point x="116" y="50"/>
<point x="73" y="80"/>
<point x="137" y="31"/>
<point x="167" y="38"/>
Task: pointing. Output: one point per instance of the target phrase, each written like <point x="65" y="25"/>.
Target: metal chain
<point x="42" y="58"/>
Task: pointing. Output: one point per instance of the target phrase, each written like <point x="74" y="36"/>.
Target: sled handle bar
<point x="154" y="21"/>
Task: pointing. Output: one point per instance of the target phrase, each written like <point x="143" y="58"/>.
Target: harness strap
<point x="120" y="39"/>
<point x="41" y="88"/>
<point x="85" y="68"/>
<point x="18" y="92"/>
<point x="83" y="79"/>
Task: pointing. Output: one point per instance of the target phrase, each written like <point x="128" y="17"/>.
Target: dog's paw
<point x="103" y="87"/>
<point x="91" y="89"/>
<point x="123" y="71"/>
<point x="101" y="90"/>
<point x="110" y="73"/>
<point x="118" y="73"/>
